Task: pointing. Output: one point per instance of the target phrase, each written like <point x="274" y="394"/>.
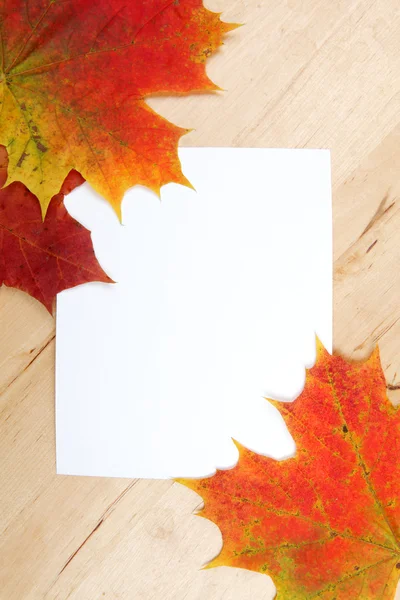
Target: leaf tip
<point x="375" y="356"/>
<point x="118" y="211"/>
<point x="239" y="446"/>
<point x="320" y="349"/>
<point x="218" y="561"/>
<point x="228" y="27"/>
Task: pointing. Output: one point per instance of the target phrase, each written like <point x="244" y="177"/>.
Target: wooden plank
<point x="367" y="267"/>
<point x="25" y="328"/>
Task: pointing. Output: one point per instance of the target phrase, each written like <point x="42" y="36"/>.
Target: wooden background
<point x="301" y="73"/>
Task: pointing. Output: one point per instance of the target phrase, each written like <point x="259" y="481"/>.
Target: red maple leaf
<point x="73" y="81"/>
<point x="43" y="258"/>
<point x="325" y="523"/>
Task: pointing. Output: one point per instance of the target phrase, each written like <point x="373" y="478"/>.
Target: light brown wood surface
<point x="301" y="73"/>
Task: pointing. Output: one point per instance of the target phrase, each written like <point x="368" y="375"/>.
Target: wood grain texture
<point x="299" y="74"/>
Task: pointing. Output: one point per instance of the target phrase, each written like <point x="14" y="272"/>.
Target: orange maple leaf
<point x="73" y="80"/>
<point x="43" y="258"/>
<point x="325" y="523"/>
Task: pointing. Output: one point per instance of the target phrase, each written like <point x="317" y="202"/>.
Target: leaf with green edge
<point x="324" y="524"/>
<point x="73" y="81"/>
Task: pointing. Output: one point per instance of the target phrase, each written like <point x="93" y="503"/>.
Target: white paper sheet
<point x="220" y="293"/>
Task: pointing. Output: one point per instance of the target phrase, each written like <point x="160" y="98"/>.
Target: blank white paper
<point x="219" y="295"/>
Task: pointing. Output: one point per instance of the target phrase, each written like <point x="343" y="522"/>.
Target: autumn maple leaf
<point x="73" y="81"/>
<point x="43" y="258"/>
<point x="325" y="523"/>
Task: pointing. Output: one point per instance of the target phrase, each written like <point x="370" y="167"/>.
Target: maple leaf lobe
<point x="325" y="523"/>
<point x="75" y="78"/>
<point x="43" y="258"/>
